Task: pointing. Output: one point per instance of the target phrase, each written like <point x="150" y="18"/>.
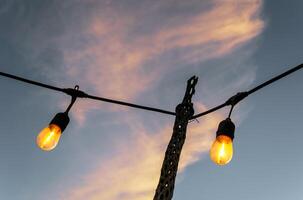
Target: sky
<point x="144" y="52"/>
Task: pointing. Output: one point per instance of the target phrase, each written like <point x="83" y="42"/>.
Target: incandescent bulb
<point x="221" y="151"/>
<point x="49" y="137"/>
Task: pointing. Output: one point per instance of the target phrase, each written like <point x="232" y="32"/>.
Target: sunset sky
<point x="144" y="52"/>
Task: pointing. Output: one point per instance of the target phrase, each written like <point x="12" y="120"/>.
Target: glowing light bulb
<point x="221" y="151"/>
<point x="49" y="137"/>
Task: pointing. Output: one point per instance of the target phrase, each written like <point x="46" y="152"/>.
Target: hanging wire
<point x="240" y="96"/>
<point x="230" y="111"/>
<point x="80" y="94"/>
<point x="275" y="79"/>
<point x="130" y="105"/>
<point x="76" y="93"/>
<point x="31" y="82"/>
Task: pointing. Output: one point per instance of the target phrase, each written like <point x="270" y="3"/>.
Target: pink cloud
<point x="115" y="65"/>
<point x="133" y="172"/>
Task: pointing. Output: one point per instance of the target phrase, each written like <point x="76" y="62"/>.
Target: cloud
<point x="122" y="53"/>
<point x="120" y="49"/>
<point x="115" y="56"/>
<point x="133" y="172"/>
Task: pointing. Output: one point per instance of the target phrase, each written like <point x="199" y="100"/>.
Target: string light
<point x="222" y="149"/>
<point x="49" y="137"/>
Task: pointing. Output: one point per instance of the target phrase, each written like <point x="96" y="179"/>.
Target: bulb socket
<point x="226" y="127"/>
<point x="61" y="120"/>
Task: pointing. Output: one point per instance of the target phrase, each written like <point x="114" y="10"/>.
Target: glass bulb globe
<point x="49" y="137"/>
<point x="221" y="151"/>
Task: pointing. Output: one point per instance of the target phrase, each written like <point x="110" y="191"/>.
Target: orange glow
<point x="221" y="151"/>
<point x="49" y="137"/>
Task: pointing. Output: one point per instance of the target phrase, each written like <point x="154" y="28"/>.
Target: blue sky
<point x="143" y="52"/>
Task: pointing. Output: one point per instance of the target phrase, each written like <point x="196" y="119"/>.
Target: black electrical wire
<point x="230" y="102"/>
<point x="31" y="82"/>
<point x="240" y="96"/>
<point x="79" y="94"/>
<point x="292" y="70"/>
<point x="130" y="105"/>
<point x="209" y="111"/>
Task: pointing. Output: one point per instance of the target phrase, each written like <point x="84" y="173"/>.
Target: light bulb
<point x="49" y="137"/>
<point x="221" y="151"/>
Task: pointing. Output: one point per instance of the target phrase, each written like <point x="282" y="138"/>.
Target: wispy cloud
<point x="117" y="56"/>
<point x="120" y="49"/>
<point x="133" y="172"/>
